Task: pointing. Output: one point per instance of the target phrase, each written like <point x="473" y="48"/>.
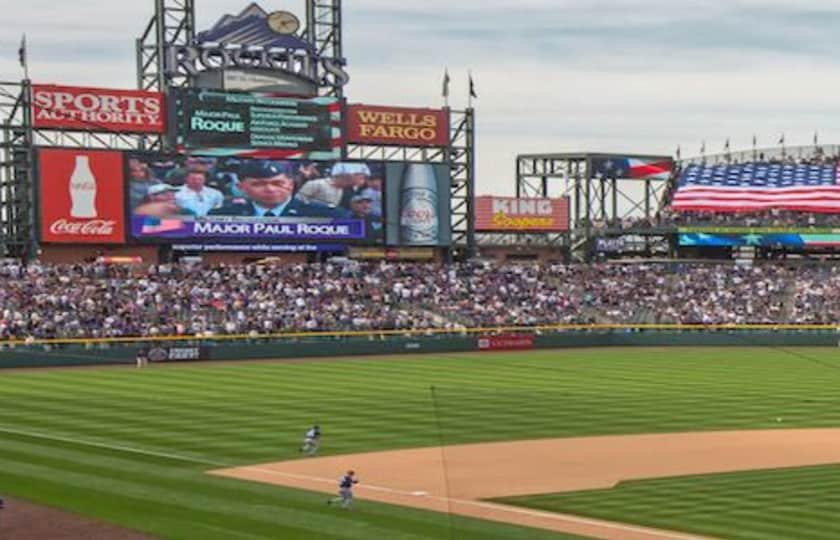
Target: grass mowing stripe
<point x="252" y="413"/>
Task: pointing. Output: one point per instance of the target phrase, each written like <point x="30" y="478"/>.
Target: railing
<point x="374" y="334"/>
<point x="828" y="151"/>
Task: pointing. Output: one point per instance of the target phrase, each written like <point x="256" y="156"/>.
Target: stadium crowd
<point x="95" y="300"/>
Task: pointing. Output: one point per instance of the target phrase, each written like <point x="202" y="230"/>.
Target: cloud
<point x="552" y="75"/>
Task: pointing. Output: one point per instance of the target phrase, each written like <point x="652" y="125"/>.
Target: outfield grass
<point x="207" y="416"/>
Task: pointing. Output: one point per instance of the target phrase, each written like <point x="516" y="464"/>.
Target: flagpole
<point x="470" y="93"/>
<point x="22" y="57"/>
<point x="446" y="87"/>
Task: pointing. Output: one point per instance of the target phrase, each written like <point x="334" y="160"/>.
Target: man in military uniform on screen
<point x="269" y="188"/>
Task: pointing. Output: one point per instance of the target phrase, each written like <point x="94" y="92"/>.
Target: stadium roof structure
<point x="587" y="155"/>
<point x="603" y="188"/>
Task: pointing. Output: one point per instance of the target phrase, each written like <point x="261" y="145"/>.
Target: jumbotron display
<point x="201" y="198"/>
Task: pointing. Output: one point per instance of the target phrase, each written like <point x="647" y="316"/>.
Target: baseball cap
<point x="156" y="189"/>
<point x="377" y="170"/>
<point x="350" y="168"/>
<point x="263" y="168"/>
<point x="360" y="197"/>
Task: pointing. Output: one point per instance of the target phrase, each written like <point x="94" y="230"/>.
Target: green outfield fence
<point x="124" y="350"/>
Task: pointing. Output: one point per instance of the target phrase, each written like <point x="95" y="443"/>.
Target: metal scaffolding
<point x="459" y="155"/>
<point x="17" y="190"/>
<point x="173" y="23"/>
<point x="598" y="203"/>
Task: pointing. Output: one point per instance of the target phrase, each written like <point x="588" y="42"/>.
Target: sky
<point x="640" y="76"/>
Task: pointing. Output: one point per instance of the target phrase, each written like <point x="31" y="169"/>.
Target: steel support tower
<point x="597" y="202"/>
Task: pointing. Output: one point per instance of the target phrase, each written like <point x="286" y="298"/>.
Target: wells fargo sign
<point x="512" y="214"/>
<point x="369" y="124"/>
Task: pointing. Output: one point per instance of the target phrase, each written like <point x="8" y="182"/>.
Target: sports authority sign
<point x="512" y="214"/>
<point x="97" y="109"/>
<point x="81" y="196"/>
<point x="369" y="124"/>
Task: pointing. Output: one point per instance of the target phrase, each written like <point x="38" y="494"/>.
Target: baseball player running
<point x="345" y="490"/>
<point x="311" y="441"/>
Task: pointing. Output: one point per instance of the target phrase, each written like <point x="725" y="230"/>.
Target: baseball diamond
<point x="212" y="449"/>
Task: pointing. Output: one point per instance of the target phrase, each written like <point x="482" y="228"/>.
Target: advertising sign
<point x="369" y="124"/>
<point x="763" y="240"/>
<point x="258" y="125"/>
<point x="610" y="245"/>
<point x="256" y="50"/>
<point x="165" y="353"/>
<point x="392" y="253"/>
<point x="97" y="109"/>
<point x="81" y="196"/>
<point x="505" y="214"/>
<point x="418" y="199"/>
<point x="203" y="199"/>
<point x="512" y="342"/>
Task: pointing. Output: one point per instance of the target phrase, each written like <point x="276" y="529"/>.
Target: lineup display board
<point x="257" y="124"/>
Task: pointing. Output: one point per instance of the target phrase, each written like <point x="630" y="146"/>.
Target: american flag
<point x="758" y="186"/>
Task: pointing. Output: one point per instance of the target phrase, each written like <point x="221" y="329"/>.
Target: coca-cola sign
<point x="95" y="227"/>
<point x="81" y="196"/>
<point x="97" y="109"/>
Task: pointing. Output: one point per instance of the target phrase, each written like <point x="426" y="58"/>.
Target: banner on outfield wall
<point x="399" y="126"/>
<point x="81" y="196"/>
<point x="97" y="109"/>
<point x="506" y="214"/>
<point x="512" y="342"/>
<point x="172" y="354"/>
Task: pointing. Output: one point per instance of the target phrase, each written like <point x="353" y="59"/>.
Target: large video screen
<point x="244" y="200"/>
<point x="241" y="123"/>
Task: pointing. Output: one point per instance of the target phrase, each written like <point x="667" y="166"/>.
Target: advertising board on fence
<point x="165" y="353"/>
<point x="203" y="199"/>
<point x="511" y="342"/>
<point x="81" y="196"/>
<point x="805" y="240"/>
<point x="505" y="214"/>
<point x="97" y="109"/>
<point x="257" y="124"/>
<point x="398" y="126"/>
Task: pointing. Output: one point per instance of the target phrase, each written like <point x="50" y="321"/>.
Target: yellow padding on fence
<point x="431" y="331"/>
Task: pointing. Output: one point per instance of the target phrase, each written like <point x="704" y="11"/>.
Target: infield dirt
<point x="458" y="479"/>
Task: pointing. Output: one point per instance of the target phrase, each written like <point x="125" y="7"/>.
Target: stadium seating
<point x="94" y="300"/>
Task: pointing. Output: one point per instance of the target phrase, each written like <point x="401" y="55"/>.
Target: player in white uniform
<point x="311" y="441"/>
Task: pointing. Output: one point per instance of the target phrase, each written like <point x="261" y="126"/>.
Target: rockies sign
<point x="255" y="51"/>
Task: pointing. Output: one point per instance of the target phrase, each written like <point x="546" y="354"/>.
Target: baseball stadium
<point x="238" y="303"/>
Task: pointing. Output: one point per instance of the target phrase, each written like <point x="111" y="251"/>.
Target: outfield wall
<point x="55" y="353"/>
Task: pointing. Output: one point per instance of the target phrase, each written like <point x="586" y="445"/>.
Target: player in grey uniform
<point x="311" y="441"/>
<point x="345" y="490"/>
